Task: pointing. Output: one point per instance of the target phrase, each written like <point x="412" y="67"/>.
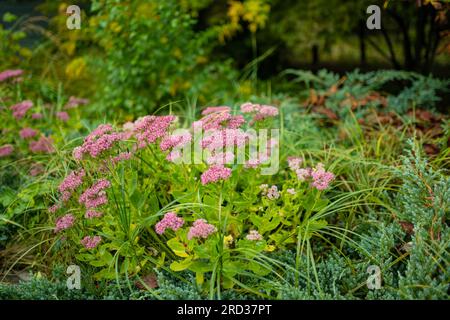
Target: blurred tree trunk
<point x="362" y="43"/>
<point x="315" y="55"/>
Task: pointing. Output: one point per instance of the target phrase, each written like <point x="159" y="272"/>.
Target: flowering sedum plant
<point x="138" y="197"/>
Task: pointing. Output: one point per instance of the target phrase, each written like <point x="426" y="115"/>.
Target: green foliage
<point x="153" y="55"/>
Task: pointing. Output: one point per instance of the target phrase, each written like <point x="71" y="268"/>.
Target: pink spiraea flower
<point x="95" y="195"/>
<point x="215" y="173"/>
<point x="210" y="110"/>
<point x="71" y="183"/>
<point x="271" y="193"/>
<point x="220" y="158"/>
<point x="20" y="109"/>
<point x="43" y="145"/>
<point x="320" y="178"/>
<point x="54" y="208"/>
<point x="217" y="140"/>
<point x="75" y="102"/>
<point x="36" y="116"/>
<point x="90" y="214"/>
<point x="7" y="74"/>
<point x="260" y="112"/>
<point x="254" y="235"/>
<point x="201" y="229"/>
<point x="27" y="133"/>
<point x="98" y="141"/>
<point x="170" y="221"/>
<point x="294" y="163"/>
<point x="63" y="116"/>
<point x="173" y="155"/>
<point x="91" y="242"/>
<point x="6" y="150"/>
<point x="64" y="222"/>
<point x="291" y="191"/>
<point x="175" y="141"/>
<point x="150" y="128"/>
<point x="121" y="157"/>
<point x="217" y="118"/>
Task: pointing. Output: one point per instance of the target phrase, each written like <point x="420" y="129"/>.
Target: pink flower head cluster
<point x="27" y="133"/>
<point x="64" y="222"/>
<point x="98" y="141"/>
<point x="7" y="74"/>
<point x="175" y="140"/>
<point x="217" y="140"/>
<point x="63" y="116"/>
<point x="20" y="109"/>
<point x="121" y="157"/>
<point x="291" y="191"/>
<point x="90" y="214"/>
<point x="271" y="193"/>
<point x="44" y="145"/>
<point x="260" y="112"/>
<point x="95" y="196"/>
<point x="254" y="235"/>
<point x="91" y="242"/>
<point x="319" y="177"/>
<point x="221" y="158"/>
<point x="170" y="221"/>
<point x="6" y="150"/>
<point x="71" y="183"/>
<point x="216" y="118"/>
<point x="201" y="229"/>
<point x="54" y="208"/>
<point x="149" y="128"/>
<point x="37" y="116"/>
<point x="215" y="173"/>
<point x="75" y="102"/>
<point x="294" y="163"/>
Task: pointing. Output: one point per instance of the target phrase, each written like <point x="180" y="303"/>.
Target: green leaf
<point x="182" y="265"/>
<point x="177" y="247"/>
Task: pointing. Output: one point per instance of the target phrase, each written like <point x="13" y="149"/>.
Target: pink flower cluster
<point x="64" y="222"/>
<point x="27" y="133"/>
<point x="20" y="109"/>
<point x="221" y="158"/>
<point x="7" y="74"/>
<point x="217" y="140"/>
<point x="295" y="163"/>
<point x="91" y="242"/>
<point x="75" y="102"/>
<point x="44" y="145"/>
<point x="170" y="221"/>
<point x="121" y="157"/>
<point x="201" y="229"/>
<point x="90" y="214"/>
<point x="149" y="128"/>
<point x="6" y="150"/>
<point x="95" y="196"/>
<point x="216" y="118"/>
<point x="175" y="140"/>
<point x="71" y="183"/>
<point x="37" y="116"/>
<point x="320" y="178"/>
<point x="63" y="116"/>
<point x="271" y="193"/>
<point x="215" y="173"/>
<point x="260" y="112"/>
<point x="254" y="235"/>
<point x="98" y="141"/>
